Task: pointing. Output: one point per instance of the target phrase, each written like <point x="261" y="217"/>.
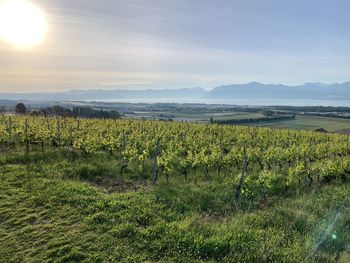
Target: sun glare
<point x="22" y="24"/>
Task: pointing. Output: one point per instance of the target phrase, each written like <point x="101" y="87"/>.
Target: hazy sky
<point x="182" y="43"/>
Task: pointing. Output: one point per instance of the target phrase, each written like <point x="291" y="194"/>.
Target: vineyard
<point x="273" y="159"/>
<point x="213" y="193"/>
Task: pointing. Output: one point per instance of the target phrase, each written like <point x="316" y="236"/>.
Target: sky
<point x="160" y="44"/>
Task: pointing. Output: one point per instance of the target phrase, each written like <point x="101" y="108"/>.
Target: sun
<point x="22" y="23"/>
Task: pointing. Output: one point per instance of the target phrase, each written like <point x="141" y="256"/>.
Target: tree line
<point x="76" y="111"/>
<point x="254" y="120"/>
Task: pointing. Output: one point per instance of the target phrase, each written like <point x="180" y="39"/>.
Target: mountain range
<point x="253" y="90"/>
<point x="315" y="91"/>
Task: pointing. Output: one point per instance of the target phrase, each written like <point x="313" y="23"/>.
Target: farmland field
<point x="308" y="123"/>
<point x="93" y="190"/>
<point x="300" y="122"/>
<point x="195" y="116"/>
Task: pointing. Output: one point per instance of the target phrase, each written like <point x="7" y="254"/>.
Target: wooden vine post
<point x="9" y="131"/>
<point x="26" y="135"/>
<point x="124" y="163"/>
<point x="155" y="164"/>
<point x="58" y="127"/>
<point x="241" y="181"/>
<point x="70" y="142"/>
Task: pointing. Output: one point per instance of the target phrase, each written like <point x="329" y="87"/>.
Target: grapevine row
<point x="276" y="158"/>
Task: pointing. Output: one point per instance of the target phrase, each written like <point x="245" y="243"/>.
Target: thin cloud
<point x="181" y="43"/>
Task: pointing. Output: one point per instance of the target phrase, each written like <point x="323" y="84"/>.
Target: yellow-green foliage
<point x="278" y="158"/>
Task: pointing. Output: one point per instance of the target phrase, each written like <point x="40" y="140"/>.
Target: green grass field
<point x="308" y="123"/>
<point x="70" y="207"/>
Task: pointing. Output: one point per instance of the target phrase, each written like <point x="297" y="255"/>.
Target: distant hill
<point x="6" y="102"/>
<point x="76" y="95"/>
<point x="253" y="90"/>
<point x="280" y="91"/>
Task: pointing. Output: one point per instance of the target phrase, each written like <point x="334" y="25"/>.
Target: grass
<point x="62" y="207"/>
<point x="308" y="123"/>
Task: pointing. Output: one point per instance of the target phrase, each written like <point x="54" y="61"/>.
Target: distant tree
<point x="114" y="114"/>
<point x="21" y="108"/>
<point x="85" y="112"/>
<point x="268" y="113"/>
<point x="36" y="113"/>
<point x="58" y="110"/>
